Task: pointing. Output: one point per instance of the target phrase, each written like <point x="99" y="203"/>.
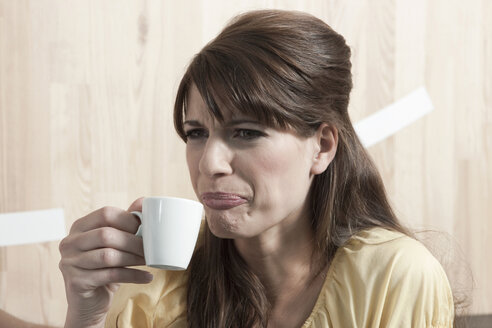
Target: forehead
<point x="196" y="109"/>
<point x="195" y="105"/>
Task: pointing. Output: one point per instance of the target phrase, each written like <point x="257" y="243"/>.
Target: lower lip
<point x="223" y="202"/>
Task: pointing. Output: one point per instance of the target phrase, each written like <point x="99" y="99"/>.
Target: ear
<point x="326" y="142"/>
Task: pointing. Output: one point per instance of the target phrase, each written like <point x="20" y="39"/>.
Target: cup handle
<point x="139" y="231"/>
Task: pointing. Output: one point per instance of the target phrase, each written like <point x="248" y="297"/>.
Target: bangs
<point x="236" y="83"/>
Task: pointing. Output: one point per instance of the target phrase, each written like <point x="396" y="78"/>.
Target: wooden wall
<point x="86" y="94"/>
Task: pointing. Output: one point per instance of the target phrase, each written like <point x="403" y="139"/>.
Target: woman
<point x="298" y="228"/>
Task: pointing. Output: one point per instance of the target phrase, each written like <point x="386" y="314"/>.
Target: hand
<point x="95" y="257"/>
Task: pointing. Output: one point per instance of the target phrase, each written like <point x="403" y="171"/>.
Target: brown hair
<point x="289" y="70"/>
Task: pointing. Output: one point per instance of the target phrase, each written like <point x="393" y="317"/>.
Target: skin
<point x="95" y="259"/>
<point x="273" y="171"/>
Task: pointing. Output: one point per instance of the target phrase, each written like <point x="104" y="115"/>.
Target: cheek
<point x="281" y="175"/>
<point x="192" y="159"/>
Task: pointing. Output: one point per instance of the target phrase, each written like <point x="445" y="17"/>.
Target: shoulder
<point x="379" y="251"/>
<point x="386" y="278"/>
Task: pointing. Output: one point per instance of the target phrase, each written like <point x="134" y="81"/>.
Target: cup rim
<point x="174" y="198"/>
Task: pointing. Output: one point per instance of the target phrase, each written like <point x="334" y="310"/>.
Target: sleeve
<point x="397" y="283"/>
<point x="161" y="303"/>
<point x="418" y="294"/>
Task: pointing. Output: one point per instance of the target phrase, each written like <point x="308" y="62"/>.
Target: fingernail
<point x="148" y="276"/>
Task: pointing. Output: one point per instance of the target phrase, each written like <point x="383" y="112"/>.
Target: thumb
<point x="136" y="205"/>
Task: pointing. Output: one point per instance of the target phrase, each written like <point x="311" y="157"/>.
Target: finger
<point x="136" y="205"/>
<point x="107" y="217"/>
<point x="108" y="237"/>
<point x="105" y="237"/>
<point x="106" y="258"/>
<point x="123" y="275"/>
<point x="84" y="280"/>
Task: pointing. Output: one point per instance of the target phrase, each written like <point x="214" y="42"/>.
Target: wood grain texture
<point x="86" y="96"/>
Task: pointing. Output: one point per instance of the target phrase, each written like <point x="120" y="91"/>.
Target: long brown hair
<point x="288" y="70"/>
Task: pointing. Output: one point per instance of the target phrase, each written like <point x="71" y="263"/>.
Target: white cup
<point x="169" y="229"/>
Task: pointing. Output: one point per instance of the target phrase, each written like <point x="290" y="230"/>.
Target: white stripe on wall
<point x="394" y="117"/>
<point x="32" y="227"/>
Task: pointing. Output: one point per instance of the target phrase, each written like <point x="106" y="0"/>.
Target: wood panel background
<point x="86" y="94"/>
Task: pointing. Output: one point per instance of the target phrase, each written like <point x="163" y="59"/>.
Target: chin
<point x="225" y="226"/>
<point x="221" y="228"/>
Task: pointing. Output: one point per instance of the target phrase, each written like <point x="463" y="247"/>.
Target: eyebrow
<point x="192" y="123"/>
<point x="229" y="123"/>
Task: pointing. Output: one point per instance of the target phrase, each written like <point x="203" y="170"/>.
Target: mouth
<point x="222" y="200"/>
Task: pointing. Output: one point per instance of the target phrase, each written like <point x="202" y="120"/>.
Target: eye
<point x="247" y="134"/>
<point x="196" y="134"/>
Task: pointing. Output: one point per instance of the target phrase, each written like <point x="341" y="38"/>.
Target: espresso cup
<point x="169" y="228"/>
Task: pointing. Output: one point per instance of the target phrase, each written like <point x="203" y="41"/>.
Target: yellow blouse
<point x="380" y="278"/>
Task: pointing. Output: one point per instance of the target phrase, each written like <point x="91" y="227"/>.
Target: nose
<point x="216" y="158"/>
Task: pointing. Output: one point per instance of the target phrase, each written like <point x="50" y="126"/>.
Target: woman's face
<point x="249" y="177"/>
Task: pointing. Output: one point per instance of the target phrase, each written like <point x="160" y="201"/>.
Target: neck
<point x="282" y="257"/>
